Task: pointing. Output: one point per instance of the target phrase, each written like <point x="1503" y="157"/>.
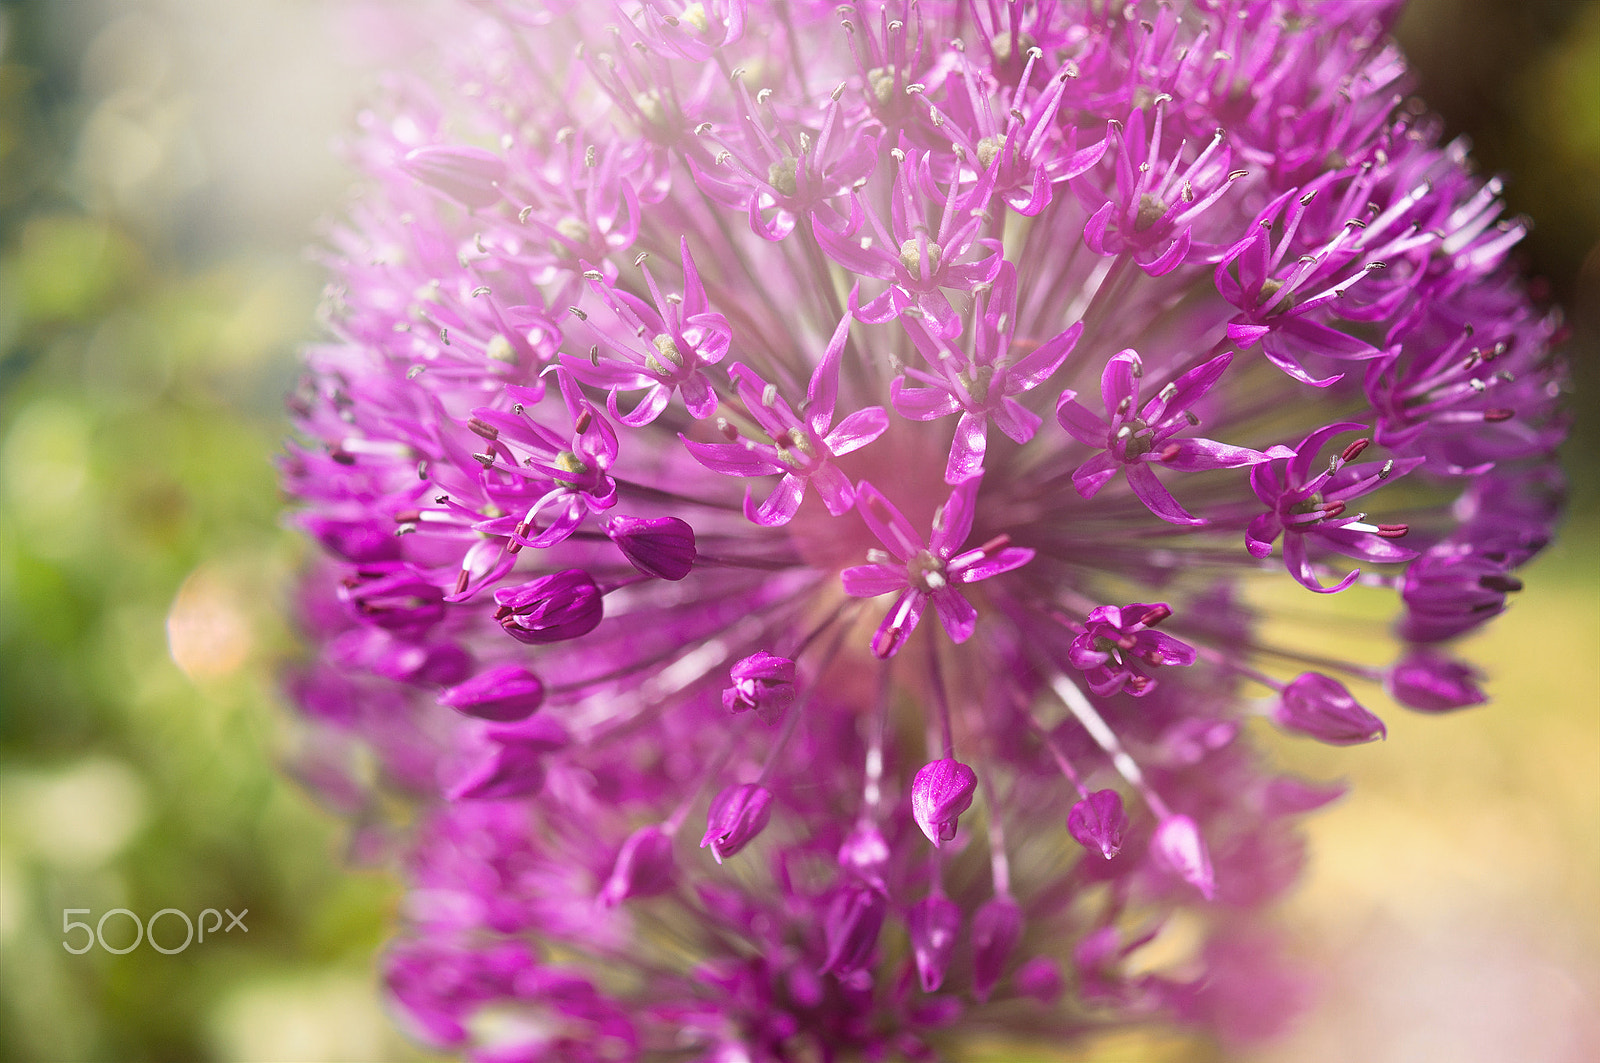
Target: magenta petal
<point x="1171" y="258"/>
<point x="1189" y="388"/>
<point x="1017" y="421"/>
<point x="732" y="459"/>
<point x="1198" y="455"/>
<point x="1299" y="566"/>
<point x="921" y="404"/>
<point x="1156" y="497"/>
<point x="898" y="624"/>
<point x="1080" y="423"/>
<point x="955" y="521"/>
<point x="1094" y="474"/>
<point x="1119" y="381"/>
<point x="957" y="614"/>
<point x="1004" y="561"/>
<point x="857" y="430"/>
<point x="886" y="522"/>
<point x="781" y="505"/>
<point x="869" y="581"/>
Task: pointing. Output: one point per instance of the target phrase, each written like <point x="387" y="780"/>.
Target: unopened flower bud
<point x="566" y="605"/>
<point x="933" y="924"/>
<point x="941" y="791"/>
<point x="662" y="547"/>
<point x="851" y="925"/>
<point x="1097" y="822"/>
<point x="503" y="693"/>
<point x="761" y="682"/>
<point x="865" y="852"/>
<point x="1040" y="978"/>
<point x="1315" y="705"/>
<point x="468" y="175"/>
<point x="1177" y="843"/>
<point x="737" y="815"/>
<point x="1429" y="681"/>
<point x="509" y="761"/>
<point x="644" y="867"/>
<point x="995" y="930"/>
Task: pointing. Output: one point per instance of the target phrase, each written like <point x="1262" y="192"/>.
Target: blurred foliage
<point x="143" y="582"/>
<point x="144" y="585"/>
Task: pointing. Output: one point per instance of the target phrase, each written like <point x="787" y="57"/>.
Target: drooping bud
<point x="503" y="693"/>
<point x="761" y="682"/>
<point x="933" y="922"/>
<point x="851" y="925"/>
<point x="468" y="175"/>
<point x="554" y="608"/>
<point x="1315" y="705"/>
<point x="1040" y="978"/>
<point x="1177" y="843"/>
<point x="1429" y="681"/>
<point x="865" y="852"/>
<point x="662" y="547"/>
<point x="390" y="595"/>
<point x="509" y="761"/>
<point x="737" y="815"/>
<point x="1097" y="822"/>
<point x="995" y="930"/>
<point x="644" y="867"/>
<point x="941" y="791"/>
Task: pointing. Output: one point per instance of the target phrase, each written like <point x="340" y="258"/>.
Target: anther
<point x="1496" y="414"/>
<point x="444" y="336"/>
<point x="1388" y="467"/>
<point x="461" y="581"/>
<point x="581" y="425"/>
<point x="1354" y="449"/>
<point x="483" y="428"/>
<point x="1393" y="531"/>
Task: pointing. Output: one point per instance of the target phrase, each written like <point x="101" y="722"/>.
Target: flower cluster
<point x="681" y="360"/>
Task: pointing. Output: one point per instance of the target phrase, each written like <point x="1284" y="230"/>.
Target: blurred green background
<point x="162" y="165"/>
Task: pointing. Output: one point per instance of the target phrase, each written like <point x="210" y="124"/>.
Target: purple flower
<point x="802" y="450"/>
<point x="714" y="320"/>
<point x="942" y="791"/>
<point x="1314" y="705"/>
<point x="1139" y="437"/>
<point x="1117" y="648"/>
<point x="1303" y="504"/>
<point x="761" y="682"/>
<point x="920" y="574"/>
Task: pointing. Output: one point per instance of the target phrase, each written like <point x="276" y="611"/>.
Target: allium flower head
<point x="682" y="358"/>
